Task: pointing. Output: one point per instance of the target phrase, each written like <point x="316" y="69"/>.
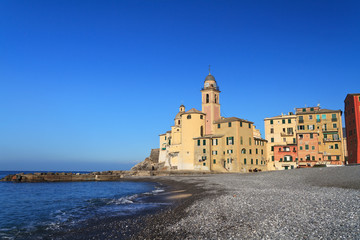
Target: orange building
<point x="352" y="125"/>
<point x="285" y="156"/>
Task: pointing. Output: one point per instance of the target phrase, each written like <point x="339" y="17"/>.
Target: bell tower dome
<point x="210" y="96"/>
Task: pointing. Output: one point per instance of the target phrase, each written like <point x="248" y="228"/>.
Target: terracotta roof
<point x="261" y="139"/>
<point x="281" y="116"/>
<point x="319" y="111"/>
<point x="232" y="119"/>
<point x="209" y="136"/>
<point x="193" y="110"/>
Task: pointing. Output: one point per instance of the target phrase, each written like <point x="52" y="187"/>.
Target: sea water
<point x="36" y="209"/>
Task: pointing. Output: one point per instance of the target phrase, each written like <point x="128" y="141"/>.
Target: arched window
<point x="179" y="122"/>
<point x="243" y="151"/>
<point x="207" y="98"/>
<point x="201" y="131"/>
<point x="215" y="98"/>
<point x="189" y="117"/>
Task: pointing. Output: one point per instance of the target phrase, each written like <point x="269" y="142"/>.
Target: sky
<point x="89" y="85"/>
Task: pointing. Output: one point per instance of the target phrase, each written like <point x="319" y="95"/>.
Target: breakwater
<point x="93" y="176"/>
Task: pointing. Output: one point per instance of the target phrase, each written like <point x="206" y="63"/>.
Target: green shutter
<point x="227" y="140"/>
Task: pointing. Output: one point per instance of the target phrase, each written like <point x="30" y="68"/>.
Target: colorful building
<point x="206" y="141"/>
<point x="317" y="134"/>
<point x="280" y="131"/>
<point x="352" y="126"/>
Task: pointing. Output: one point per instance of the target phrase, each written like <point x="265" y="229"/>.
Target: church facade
<point x="206" y="141"/>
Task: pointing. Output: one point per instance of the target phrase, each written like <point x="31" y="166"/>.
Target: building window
<point x="310" y="117"/>
<point x="283" y="121"/>
<point x="334" y="125"/>
<point x="214" y="152"/>
<point x="301" y="148"/>
<point x="230" y="141"/>
<point x="219" y="125"/>
<point x="204" y="142"/>
<point x="323" y="116"/>
<point x="301" y="136"/>
<point x="313" y="158"/>
<point x="240" y="124"/>
<point x="204" y="164"/>
<point x="301" y="127"/>
<point x="249" y="125"/>
<point x="336" y="146"/>
<point x="204" y="150"/>
<point x="313" y="147"/>
<point x="272" y="158"/>
<point x="262" y="152"/>
<point x="188" y="117"/>
<point x="198" y="142"/>
<point x="272" y="139"/>
<point x="301" y="119"/>
<point x="284" y="139"/>
<point x="311" y="109"/>
<point x="229" y="124"/>
<point x="311" y="135"/>
<point x="207" y="98"/>
<point x="214" y="161"/>
<point x="337" y="157"/>
<point x="243" y="151"/>
<point x="271" y="121"/>
<point x="201" y="131"/>
<point x="256" y="151"/>
<point x="289" y="120"/>
<point x="257" y="161"/>
<point x="252" y="161"/>
<point x="165" y="137"/>
<point x="304" y="109"/>
<point x="244" y="161"/>
<point x="272" y="148"/>
<point x="329" y="157"/>
<point x="201" y="117"/>
<point x="271" y="130"/>
<point x="241" y="140"/>
<point x="215" y="142"/>
<point x="250" y="141"/>
<point x="306" y="147"/>
<point x="215" y="98"/>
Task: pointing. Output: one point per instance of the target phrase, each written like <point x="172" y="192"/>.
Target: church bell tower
<point x="210" y="95"/>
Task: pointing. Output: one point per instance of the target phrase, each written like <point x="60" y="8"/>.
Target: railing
<point x="332" y="140"/>
<point x="284" y="134"/>
<point x="216" y="88"/>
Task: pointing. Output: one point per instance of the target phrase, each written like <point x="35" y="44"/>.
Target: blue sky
<point x="89" y="85"/>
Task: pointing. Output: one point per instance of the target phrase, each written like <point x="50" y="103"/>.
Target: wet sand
<point x="301" y="203"/>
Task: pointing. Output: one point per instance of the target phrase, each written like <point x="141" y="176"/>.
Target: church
<point x="206" y="141"/>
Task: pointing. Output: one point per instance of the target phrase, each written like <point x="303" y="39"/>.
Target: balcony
<point x="330" y="129"/>
<point x="216" y="88"/>
<point x="286" y="134"/>
<point x="332" y="140"/>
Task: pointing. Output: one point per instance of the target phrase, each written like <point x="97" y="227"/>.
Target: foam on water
<point x="35" y="209"/>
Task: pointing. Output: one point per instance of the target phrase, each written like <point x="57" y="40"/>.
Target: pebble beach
<point x="316" y="203"/>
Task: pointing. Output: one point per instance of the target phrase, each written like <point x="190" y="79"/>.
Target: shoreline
<point x="149" y="224"/>
<point x="299" y="203"/>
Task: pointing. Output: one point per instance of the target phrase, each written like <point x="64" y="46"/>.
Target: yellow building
<point x="280" y="131"/>
<point x="205" y="141"/>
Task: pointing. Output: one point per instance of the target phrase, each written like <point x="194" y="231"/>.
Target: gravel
<point x="317" y="203"/>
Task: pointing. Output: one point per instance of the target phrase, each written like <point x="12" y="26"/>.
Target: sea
<point x="39" y="209"/>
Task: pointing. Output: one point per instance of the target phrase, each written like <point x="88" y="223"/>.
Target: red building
<point x="285" y="156"/>
<point x="352" y="125"/>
